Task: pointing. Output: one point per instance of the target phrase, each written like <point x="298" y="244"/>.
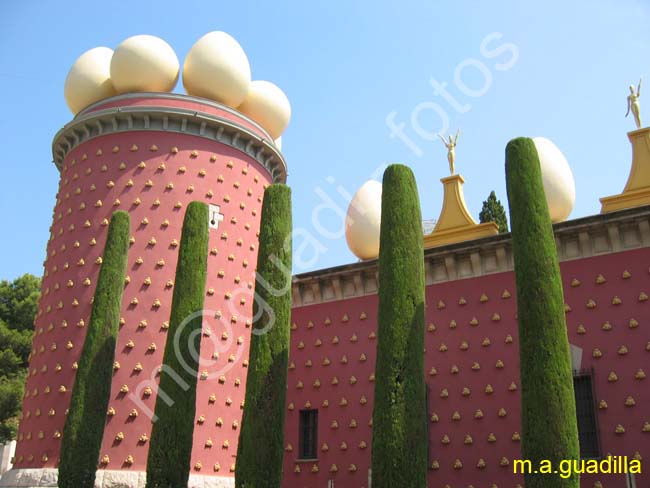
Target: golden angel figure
<point x="451" y="149"/>
<point x="633" y="104"/>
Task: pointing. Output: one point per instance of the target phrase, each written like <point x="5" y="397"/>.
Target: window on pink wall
<point x="586" y="412"/>
<point x="308" y="431"/>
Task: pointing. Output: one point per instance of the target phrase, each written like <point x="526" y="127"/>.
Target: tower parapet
<point x="637" y="189"/>
<point x="455" y="223"/>
<point x="171" y="113"/>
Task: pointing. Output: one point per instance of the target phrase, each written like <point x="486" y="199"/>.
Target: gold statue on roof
<point x="633" y="104"/>
<point x="451" y="150"/>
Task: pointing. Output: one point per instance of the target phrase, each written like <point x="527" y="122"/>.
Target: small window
<point x="308" y="431"/>
<point x="630" y="480"/>
<point x="427" y="393"/>
<point x="586" y="412"/>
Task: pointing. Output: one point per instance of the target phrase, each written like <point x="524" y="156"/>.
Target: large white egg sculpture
<point x="267" y="105"/>
<point x="217" y="68"/>
<point x="559" y="185"/>
<point x="89" y="79"/>
<point x="363" y="221"/>
<point x="144" y="64"/>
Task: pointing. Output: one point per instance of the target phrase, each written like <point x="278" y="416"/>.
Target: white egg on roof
<point x="267" y="105"/>
<point x="559" y="185"/>
<point x="216" y="67"/>
<point x="363" y="221"/>
<point x="89" y="79"/>
<point x="144" y="63"/>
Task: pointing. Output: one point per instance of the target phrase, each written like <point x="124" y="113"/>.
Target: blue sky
<point x="346" y="66"/>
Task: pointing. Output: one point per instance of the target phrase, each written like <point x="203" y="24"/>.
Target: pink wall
<point x="352" y="461"/>
<point x="201" y="170"/>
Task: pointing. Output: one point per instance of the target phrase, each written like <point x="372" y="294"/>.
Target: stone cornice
<point x="575" y="239"/>
<point x="95" y="123"/>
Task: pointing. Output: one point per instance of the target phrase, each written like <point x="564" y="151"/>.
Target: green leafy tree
<point x="261" y="441"/>
<point x="19" y="301"/>
<point x="493" y="211"/>
<point x="168" y="465"/>
<point x="11" y="395"/>
<point x="548" y="410"/>
<point x="84" y="424"/>
<point x="18" y="306"/>
<point x="399" y="441"/>
<point x="15" y="345"/>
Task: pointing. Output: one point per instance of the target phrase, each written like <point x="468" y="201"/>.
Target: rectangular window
<point x="308" y="431"/>
<point x="427" y="422"/>
<point x="630" y="480"/>
<point x="586" y="412"/>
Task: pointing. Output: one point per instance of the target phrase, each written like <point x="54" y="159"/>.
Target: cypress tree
<point x="261" y="441"/>
<point x="493" y="211"/>
<point x="168" y="464"/>
<point x="549" y="424"/>
<point x="399" y="441"/>
<point x="84" y="424"/>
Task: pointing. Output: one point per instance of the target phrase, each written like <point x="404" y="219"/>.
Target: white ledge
<point x="47" y="477"/>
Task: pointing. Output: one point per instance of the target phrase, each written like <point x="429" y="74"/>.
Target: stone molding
<point x="575" y="239"/>
<point x="47" y="477"/>
<point x="91" y="124"/>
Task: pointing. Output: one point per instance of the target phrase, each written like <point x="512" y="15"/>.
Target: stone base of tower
<point x="47" y="477"/>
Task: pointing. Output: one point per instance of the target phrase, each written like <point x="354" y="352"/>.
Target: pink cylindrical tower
<point x="151" y="155"/>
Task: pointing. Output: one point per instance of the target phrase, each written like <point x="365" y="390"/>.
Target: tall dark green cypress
<point x="168" y="465"/>
<point x="261" y="441"/>
<point x="549" y="424"/>
<point x="399" y="441"/>
<point x="493" y="211"/>
<point x="84" y="424"/>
